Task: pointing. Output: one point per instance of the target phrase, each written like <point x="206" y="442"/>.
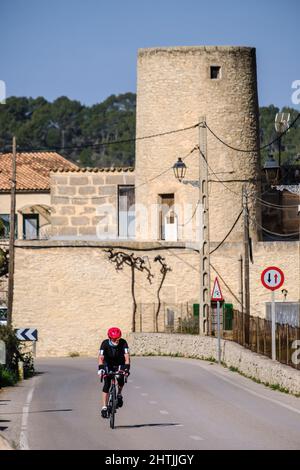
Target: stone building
<point x="76" y="293"/>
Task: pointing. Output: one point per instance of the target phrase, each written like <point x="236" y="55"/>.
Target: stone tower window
<point x="215" y="72"/>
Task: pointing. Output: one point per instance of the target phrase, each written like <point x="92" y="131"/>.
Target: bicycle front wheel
<point x="113" y="403"/>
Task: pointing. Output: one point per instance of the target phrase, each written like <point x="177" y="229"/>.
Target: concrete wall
<point x="174" y="91"/>
<point x="84" y="203"/>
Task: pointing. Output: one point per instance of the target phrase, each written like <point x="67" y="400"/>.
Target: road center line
<point x="196" y="438"/>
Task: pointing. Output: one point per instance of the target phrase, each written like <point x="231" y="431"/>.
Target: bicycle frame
<point x="112" y="397"/>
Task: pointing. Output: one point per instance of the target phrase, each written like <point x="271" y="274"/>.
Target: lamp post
<point x="179" y="169"/>
<point x="272" y="170"/>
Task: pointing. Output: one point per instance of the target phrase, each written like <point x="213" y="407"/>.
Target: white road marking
<point x="256" y="394"/>
<point x="164" y="412"/>
<point x="196" y="438"/>
<point x="137" y="386"/>
<point x="144" y="394"/>
<point x="153" y="402"/>
<point x="23" y="435"/>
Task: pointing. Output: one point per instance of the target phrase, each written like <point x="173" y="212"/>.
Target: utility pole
<point x="204" y="304"/>
<point x="246" y="322"/>
<point x="12" y="236"/>
<point x="62" y="140"/>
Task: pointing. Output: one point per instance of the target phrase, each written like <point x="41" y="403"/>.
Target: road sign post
<point x="219" y="332"/>
<point x="272" y="278"/>
<point x="2" y="352"/>
<point x="217" y="296"/>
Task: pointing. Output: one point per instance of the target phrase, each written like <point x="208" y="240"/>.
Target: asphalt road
<point x="170" y="403"/>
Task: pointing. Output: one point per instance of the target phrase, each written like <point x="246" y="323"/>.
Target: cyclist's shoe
<point x="120" y="401"/>
<point x="104" y="412"/>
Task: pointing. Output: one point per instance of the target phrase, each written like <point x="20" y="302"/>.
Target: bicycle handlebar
<point x="114" y="374"/>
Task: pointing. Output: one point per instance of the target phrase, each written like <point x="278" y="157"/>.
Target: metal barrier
<point x="170" y="318"/>
<point x="260" y="338"/>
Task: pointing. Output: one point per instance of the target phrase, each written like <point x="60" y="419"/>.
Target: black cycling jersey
<point x="114" y="355"/>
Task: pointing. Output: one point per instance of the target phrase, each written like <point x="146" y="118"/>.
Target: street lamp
<point x="271" y="170"/>
<point x="179" y="169"/>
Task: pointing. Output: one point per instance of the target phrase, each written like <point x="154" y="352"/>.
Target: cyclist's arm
<point x="100" y="359"/>
<point x="101" y="355"/>
<point x="127" y="359"/>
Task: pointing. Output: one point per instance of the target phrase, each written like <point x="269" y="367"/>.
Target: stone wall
<point x="233" y="355"/>
<point x="84" y="202"/>
<point x="71" y="293"/>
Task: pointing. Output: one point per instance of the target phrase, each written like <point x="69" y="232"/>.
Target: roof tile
<point x="33" y="170"/>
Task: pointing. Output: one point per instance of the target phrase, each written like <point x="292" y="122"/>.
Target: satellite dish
<point x="282" y="122"/>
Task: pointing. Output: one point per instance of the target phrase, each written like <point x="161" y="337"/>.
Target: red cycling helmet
<point x="114" y="333"/>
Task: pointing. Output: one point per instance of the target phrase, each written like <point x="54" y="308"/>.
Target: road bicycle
<point x="112" y="397"/>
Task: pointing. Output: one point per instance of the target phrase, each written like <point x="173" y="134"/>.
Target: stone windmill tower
<point x="176" y="86"/>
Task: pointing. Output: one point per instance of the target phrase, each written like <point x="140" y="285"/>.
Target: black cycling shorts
<point x="107" y="381"/>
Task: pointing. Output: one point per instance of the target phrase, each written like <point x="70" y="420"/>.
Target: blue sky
<point x="87" y="49"/>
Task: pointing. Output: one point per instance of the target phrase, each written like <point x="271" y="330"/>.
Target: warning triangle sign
<point x="216" y="295"/>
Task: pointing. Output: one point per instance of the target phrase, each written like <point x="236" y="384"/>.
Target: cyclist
<point x="113" y="355"/>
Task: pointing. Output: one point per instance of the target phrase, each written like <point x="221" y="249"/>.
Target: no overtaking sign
<point x="272" y="278"/>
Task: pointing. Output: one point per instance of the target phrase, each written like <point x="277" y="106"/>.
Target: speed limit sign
<point x="272" y="278"/>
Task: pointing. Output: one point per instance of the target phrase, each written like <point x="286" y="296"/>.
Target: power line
<point x="103" y="144"/>
<point x="192" y="216"/>
<point x="285" y="235"/>
<point x="275" y="206"/>
<point x="136" y="187"/>
<point x="226" y="236"/>
<point x="167" y="169"/>
<point x="212" y="171"/>
<point x="257" y="149"/>
<point x="135" y="139"/>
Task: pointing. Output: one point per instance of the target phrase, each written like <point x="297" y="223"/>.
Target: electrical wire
<point x="198" y="271"/>
<point x="136" y="187"/>
<point x="226" y="236"/>
<point x="276" y="206"/>
<point x="285" y="235"/>
<point x="192" y="216"/>
<point x="259" y="148"/>
<point x="103" y="144"/>
<point x="135" y="139"/>
<point x="167" y="169"/>
<point x="212" y="171"/>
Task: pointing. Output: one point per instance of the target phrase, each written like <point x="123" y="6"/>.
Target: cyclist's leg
<point x="119" y="392"/>
<point x="105" y="396"/>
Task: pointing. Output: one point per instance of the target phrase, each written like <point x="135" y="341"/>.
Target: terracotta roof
<point x="33" y="170"/>
<point x="96" y="170"/>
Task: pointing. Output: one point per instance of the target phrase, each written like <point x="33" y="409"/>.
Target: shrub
<point x="8" y="378"/>
<point x="189" y="325"/>
<point x="74" y="354"/>
<point x="14" y="354"/>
